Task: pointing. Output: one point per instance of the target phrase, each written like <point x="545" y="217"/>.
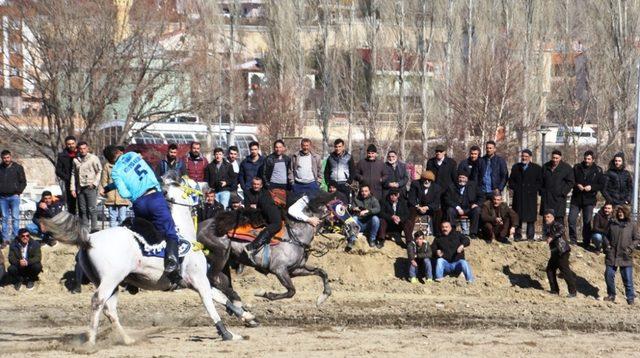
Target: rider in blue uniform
<point x="136" y="181"/>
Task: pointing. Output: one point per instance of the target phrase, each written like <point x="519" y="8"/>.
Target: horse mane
<point x="228" y="220"/>
<point x="66" y="228"/>
<point x="320" y="200"/>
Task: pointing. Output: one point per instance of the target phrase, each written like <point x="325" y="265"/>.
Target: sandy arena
<point x="373" y="311"/>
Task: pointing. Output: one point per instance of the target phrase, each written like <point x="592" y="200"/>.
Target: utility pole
<point x="636" y="159"/>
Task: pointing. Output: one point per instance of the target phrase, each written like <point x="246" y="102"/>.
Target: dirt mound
<point x="369" y="287"/>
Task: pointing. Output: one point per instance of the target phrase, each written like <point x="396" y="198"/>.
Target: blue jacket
<point x="499" y="172"/>
<point x="132" y="176"/>
<point x="248" y="170"/>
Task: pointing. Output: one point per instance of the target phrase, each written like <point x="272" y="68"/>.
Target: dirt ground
<point x="373" y="311"/>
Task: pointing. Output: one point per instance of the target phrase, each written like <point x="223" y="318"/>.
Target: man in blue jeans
<point x="419" y="253"/>
<point x="12" y="184"/>
<point x="619" y="245"/>
<point x="449" y="249"/>
<point x="366" y="209"/>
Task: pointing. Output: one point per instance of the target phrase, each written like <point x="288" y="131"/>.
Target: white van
<point x="581" y="135"/>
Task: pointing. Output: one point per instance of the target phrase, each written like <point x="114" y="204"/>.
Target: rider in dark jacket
<point x="263" y="202"/>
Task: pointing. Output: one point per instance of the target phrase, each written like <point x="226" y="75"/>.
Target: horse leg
<point x="306" y="271"/>
<point x="285" y="280"/>
<point x="104" y="292"/>
<point x="111" y="311"/>
<point x="231" y="301"/>
<point x="207" y="293"/>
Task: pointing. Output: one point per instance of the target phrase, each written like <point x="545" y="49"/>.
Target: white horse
<point x="113" y="256"/>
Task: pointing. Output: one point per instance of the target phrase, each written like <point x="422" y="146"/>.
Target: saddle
<point x="248" y="233"/>
<point x="150" y="240"/>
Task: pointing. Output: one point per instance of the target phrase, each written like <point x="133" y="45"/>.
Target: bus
<point x="151" y="139"/>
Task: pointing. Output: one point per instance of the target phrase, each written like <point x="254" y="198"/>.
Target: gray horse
<point x="286" y="260"/>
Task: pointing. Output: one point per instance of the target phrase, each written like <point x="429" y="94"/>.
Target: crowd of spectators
<point x="456" y="203"/>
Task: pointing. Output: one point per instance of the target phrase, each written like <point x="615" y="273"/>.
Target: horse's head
<point x="319" y="205"/>
<point x="180" y="191"/>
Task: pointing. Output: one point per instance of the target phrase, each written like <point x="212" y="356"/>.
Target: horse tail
<point x="65" y="228"/>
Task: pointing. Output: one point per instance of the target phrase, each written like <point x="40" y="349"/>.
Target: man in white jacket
<point x="85" y="179"/>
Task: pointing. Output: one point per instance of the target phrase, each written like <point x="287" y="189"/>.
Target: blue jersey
<point x="133" y="177"/>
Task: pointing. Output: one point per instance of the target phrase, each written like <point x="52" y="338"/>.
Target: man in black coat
<point x="210" y="207"/>
<point x="370" y="170"/>
<point x="424" y="199"/>
<point x="619" y="185"/>
<point x="396" y="176"/>
<point x="589" y="180"/>
<point x="445" y="169"/>
<point x="464" y="198"/>
<point x="64" y="166"/>
<point x="473" y="165"/>
<point x="25" y="260"/>
<point x="525" y="182"/>
<point x="557" y="182"/>
<point x="394" y="214"/>
<point x="221" y="178"/>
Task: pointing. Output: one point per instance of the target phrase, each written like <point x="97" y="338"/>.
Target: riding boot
<point x="171" y="263"/>
<point x="252" y="248"/>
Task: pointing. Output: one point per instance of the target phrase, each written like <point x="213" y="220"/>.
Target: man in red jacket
<point x="196" y="163"/>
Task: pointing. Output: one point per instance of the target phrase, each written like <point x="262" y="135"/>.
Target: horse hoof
<point x="252" y="323"/>
<point x="323" y="297"/>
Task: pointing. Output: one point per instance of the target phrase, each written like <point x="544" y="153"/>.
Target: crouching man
<point x="449" y="249"/>
<point x="419" y="253"/>
<point x="24" y="260"/>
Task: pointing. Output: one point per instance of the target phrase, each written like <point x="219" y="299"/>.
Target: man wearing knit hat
<point x="424" y="199"/>
<point x="371" y="171"/>
<point x="525" y="182"/>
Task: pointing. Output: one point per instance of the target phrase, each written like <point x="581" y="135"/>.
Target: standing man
<point x="196" y="163"/>
<point x="220" y="177"/>
<point x="250" y="166"/>
<point x="395" y="175"/>
<point x="445" y="170"/>
<point x="171" y="162"/>
<point x="85" y="180"/>
<point x="557" y="182"/>
<point x="588" y="181"/>
<point x="525" y="182"/>
<point x="340" y="168"/>
<point x="232" y="158"/>
<point x="277" y="172"/>
<point x="12" y="184"/>
<point x="64" y="167"/>
<point x="619" y="186"/>
<point x="443" y="167"/>
<point x="371" y="171"/>
<point x="115" y="203"/>
<point x="553" y="232"/>
<point x="474" y="165"/>
<point x="495" y="172"/>
<point x="305" y="169"/>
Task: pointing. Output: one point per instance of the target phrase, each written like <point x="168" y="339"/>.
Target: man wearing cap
<point x="557" y="182"/>
<point x="371" y="170"/>
<point x="394" y="213"/>
<point x="340" y="168"/>
<point x="525" y="182"/>
<point x="424" y="199"/>
<point x="464" y="198"/>
<point x="443" y="167"/>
